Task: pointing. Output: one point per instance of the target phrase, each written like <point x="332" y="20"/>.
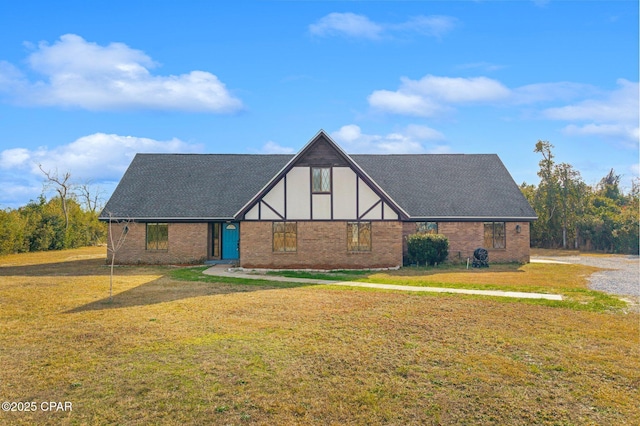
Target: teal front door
<point x="230" y="239"/>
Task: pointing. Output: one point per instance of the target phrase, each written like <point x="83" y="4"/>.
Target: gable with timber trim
<point x="350" y="195"/>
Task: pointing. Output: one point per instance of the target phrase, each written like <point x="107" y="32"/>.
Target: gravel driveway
<point x="623" y="278"/>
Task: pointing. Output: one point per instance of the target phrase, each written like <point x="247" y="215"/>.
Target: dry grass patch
<point x="541" y="252"/>
<point x="169" y="351"/>
<point x="52" y="257"/>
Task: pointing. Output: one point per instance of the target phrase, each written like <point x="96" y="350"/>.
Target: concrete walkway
<point x="541" y="260"/>
<point x="225" y="272"/>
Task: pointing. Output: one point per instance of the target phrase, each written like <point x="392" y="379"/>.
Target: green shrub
<point x="427" y="248"/>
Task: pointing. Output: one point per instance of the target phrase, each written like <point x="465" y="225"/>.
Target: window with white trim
<point x="320" y="180"/>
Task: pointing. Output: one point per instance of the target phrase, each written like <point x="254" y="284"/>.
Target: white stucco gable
<point x="321" y="183"/>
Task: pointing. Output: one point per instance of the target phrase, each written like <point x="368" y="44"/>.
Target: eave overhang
<point x="167" y="219"/>
<point x="470" y="219"/>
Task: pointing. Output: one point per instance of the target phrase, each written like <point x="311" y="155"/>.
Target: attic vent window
<point x="321" y="180"/>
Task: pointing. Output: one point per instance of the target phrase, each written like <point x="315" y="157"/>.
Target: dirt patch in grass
<point x="168" y="351"/>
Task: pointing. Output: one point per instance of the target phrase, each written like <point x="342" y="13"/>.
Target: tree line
<point x="574" y="215"/>
<point x="67" y="220"/>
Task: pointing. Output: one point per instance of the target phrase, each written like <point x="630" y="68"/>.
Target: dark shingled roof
<point x="189" y="186"/>
<point x="448" y="185"/>
<point x="208" y="186"/>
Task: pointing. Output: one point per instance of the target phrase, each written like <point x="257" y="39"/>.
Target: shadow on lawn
<point x="165" y="289"/>
<point x="159" y="290"/>
<point x="81" y="267"/>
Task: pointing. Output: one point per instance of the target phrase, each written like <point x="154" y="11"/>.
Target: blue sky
<point x="86" y="85"/>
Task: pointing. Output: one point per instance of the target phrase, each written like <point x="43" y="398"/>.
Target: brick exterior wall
<point x="465" y="237"/>
<point x="320" y="245"/>
<point x="188" y="243"/>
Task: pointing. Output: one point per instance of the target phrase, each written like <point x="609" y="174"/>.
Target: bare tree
<point x="63" y="187"/>
<point x="115" y="244"/>
<point x="90" y="196"/>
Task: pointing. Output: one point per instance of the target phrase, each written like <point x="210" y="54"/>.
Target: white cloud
<point x="611" y="115"/>
<point x="548" y="92"/>
<point x="435" y="26"/>
<point x="348" y="134"/>
<point x="348" y="24"/>
<point x="613" y="130"/>
<point x="432" y="94"/>
<point x="423" y="133"/>
<point x="96" y="157"/>
<point x="359" y="26"/>
<point x="620" y="104"/>
<point x="404" y="103"/>
<point x="615" y="114"/>
<point x="456" y="90"/>
<point x="410" y="140"/>
<point x="11" y="79"/>
<point x="273" y="148"/>
<point x="16" y="192"/>
<point x="15" y="157"/>
<point x="100" y="158"/>
<point x="82" y="74"/>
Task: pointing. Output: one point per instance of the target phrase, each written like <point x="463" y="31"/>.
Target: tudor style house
<point x="320" y="208"/>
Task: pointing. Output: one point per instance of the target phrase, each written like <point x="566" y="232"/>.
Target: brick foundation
<point x="465" y="237"/>
<point x="188" y="243"/>
<point x="320" y="245"/>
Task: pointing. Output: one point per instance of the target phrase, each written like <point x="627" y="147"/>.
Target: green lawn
<point x="567" y="280"/>
<point x="177" y="347"/>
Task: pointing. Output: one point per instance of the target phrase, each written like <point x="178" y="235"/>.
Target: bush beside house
<point x="427" y="249"/>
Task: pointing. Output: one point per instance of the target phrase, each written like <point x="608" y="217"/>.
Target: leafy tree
<point x="609" y="186"/>
<point x="41" y="225"/>
<point x="537" y="227"/>
<point x="571" y="190"/>
<point x="547" y="195"/>
<point x="600" y="218"/>
<point x="12" y="232"/>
